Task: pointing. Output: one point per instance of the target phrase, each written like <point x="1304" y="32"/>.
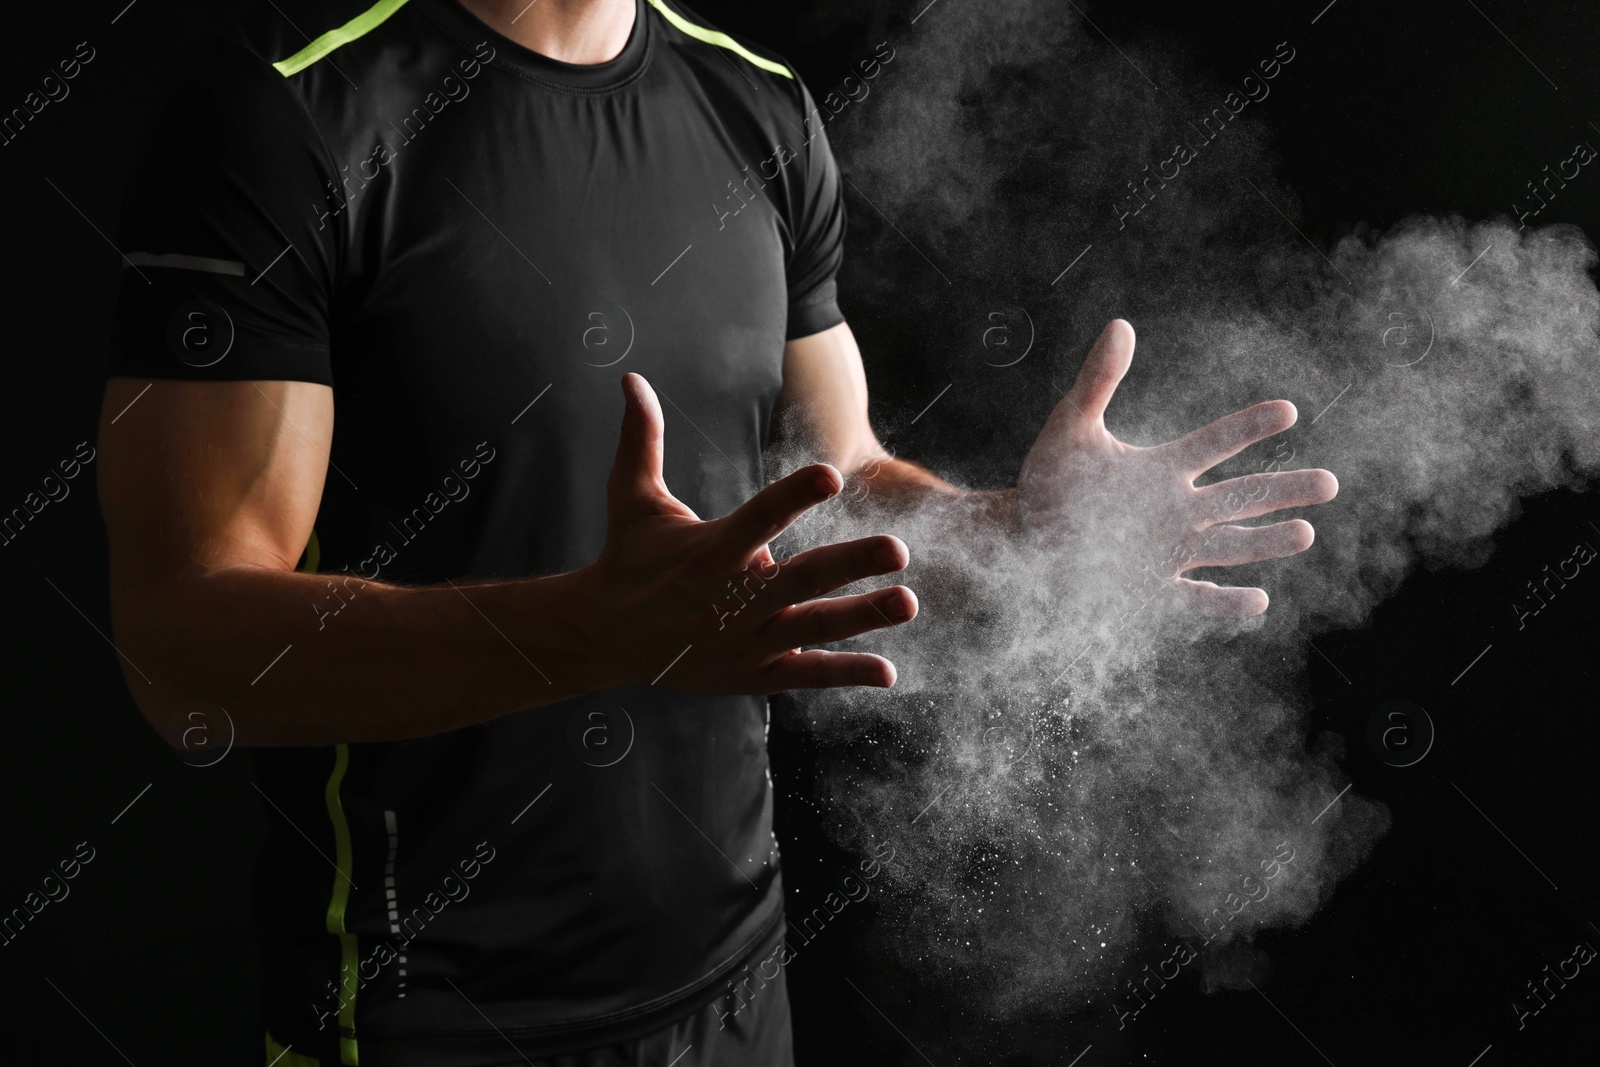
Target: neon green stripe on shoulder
<point x="338" y="37"/>
<point x="721" y="40"/>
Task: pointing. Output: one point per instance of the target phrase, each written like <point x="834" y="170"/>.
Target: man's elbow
<point x="165" y="664"/>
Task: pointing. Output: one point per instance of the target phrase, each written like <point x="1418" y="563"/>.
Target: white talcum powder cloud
<point x="1071" y="778"/>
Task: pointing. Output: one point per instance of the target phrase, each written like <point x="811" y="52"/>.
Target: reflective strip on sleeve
<point x="182" y="262"/>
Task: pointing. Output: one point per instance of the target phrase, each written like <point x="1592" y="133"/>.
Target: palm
<point x="1119" y="511"/>
<point x="707" y="601"/>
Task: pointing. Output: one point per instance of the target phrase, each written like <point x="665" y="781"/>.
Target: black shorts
<point x="728" y="1032"/>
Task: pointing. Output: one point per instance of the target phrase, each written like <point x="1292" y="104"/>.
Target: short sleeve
<point x="228" y="232"/>
<point x="818" y="234"/>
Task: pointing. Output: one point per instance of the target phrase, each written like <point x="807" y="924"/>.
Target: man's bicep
<point x="825" y="398"/>
<point x="200" y="475"/>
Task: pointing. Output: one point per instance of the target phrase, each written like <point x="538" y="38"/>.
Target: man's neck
<point x="572" y="31"/>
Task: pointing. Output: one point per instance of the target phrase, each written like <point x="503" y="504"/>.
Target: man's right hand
<point x="702" y="606"/>
<point x="209" y="492"/>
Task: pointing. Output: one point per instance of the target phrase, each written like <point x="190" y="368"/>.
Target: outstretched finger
<point x="1202" y="449"/>
<point x="819" y="571"/>
<point x="771" y="511"/>
<point x="822" y="622"/>
<point x="819" y="669"/>
<point x="1233" y="546"/>
<point x="1261" y="494"/>
<point x="1220" y="601"/>
<point x="1102" y="371"/>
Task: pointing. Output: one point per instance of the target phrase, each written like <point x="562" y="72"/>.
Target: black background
<point x="1423" y="107"/>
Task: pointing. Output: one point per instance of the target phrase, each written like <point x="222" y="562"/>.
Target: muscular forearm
<point x="208" y="503"/>
<point x="950" y="531"/>
<point x="892" y="487"/>
<point x="305" y="659"/>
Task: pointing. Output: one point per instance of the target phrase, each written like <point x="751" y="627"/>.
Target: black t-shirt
<point x="471" y="243"/>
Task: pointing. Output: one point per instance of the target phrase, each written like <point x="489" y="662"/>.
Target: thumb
<point x="637" y="470"/>
<point x="1102" y="371"/>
